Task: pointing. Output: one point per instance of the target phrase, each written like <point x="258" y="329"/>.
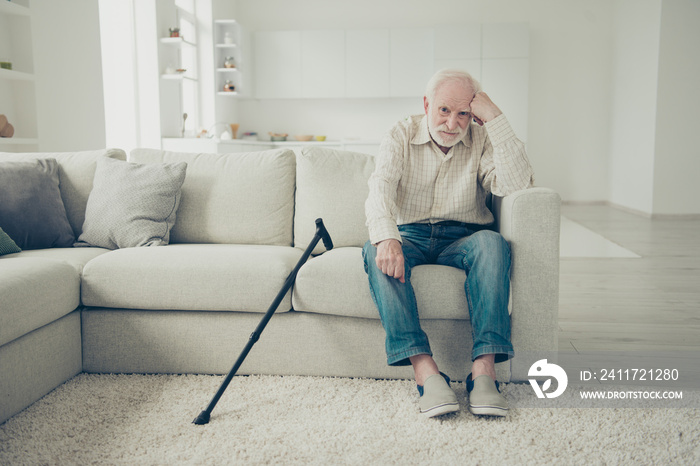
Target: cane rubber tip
<point x="202" y="419"/>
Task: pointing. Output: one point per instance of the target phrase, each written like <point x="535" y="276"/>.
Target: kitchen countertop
<point x="334" y="142"/>
<point x="211" y="145"/>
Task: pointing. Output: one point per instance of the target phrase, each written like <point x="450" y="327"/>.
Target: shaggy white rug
<point x="146" y="419"/>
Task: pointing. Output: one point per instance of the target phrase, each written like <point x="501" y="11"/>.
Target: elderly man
<point x="426" y="204"/>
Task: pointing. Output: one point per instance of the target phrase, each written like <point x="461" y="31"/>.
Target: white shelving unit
<point x="200" y="94"/>
<point x="15" y="75"/>
<point x="176" y="41"/>
<point x="227" y="43"/>
<point x="177" y="77"/>
<point x="17" y="87"/>
<point x="179" y="83"/>
<point x="14" y="8"/>
<point x="174" y="57"/>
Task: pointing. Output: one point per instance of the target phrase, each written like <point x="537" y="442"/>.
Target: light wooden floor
<point x="629" y="311"/>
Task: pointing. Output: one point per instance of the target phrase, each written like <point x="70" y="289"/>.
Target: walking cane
<point x="321" y="234"/>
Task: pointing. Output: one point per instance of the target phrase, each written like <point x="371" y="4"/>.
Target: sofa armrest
<point x="529" y="220"/>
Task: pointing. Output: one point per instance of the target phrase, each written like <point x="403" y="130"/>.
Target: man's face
<point x="449" y="113"/>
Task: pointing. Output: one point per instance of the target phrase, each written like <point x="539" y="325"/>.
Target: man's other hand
<point x="483" y="109"/>
<point x="390" y="259"/>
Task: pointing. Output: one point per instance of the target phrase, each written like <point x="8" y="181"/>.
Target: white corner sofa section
<point x="40" y="329"/>
<point x="243" y="222"/>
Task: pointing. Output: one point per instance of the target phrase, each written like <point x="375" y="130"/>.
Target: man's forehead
<point x="459" y="104"/>
<point x="453" y="96"/>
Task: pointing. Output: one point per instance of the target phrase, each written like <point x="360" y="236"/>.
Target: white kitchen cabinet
<point x="17" y="85"/>
<point x="454" y="42"/>
<point x="367" y="63"/>
<point x="506" y="81"/>
<point x="278" y="64"/>
<point x="293" y="64"/>
<point x="458" y="47"/>
<point x="395" y="63"/>
<point x="323" y="64"/>
<point x="505" y="71"/>
<point x="505" y="40"/>
<point x="411" y="61"/>
<point x="473" y="66"/>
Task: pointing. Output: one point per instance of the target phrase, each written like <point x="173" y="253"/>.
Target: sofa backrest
<point x="75" y="173"/>
<point x="237" y="198"/>
<point x="332" y="185"/>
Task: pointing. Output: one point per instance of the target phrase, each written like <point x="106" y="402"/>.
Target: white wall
<point x="677" y="153"/>
<point x="118" y="73"/>
<point x="570" y="68"/>
<point x="635" y="79"/>
<point x="70" y="109"/>
<point x="147" y="119"/>
<point x="129" y="46"/>
<point x="599" y="70"/>
<point x="654" y="158"/>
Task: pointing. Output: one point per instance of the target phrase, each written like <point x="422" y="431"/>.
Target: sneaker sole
<point x="441" y="409"/>
<point x="488" y="410"/>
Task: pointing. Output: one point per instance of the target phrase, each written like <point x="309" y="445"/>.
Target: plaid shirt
<point x="415" y="182"/>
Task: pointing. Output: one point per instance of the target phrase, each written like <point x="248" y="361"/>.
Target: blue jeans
<point x="484" y="256"/>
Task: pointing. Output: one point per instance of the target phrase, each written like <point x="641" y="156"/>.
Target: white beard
<point x="443" y="141"/>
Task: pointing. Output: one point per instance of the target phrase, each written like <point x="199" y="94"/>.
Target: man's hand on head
<point x="483" y="109"/>
<point x="390" y="259"/>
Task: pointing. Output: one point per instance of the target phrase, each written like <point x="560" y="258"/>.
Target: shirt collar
<point x="422" y="135"/>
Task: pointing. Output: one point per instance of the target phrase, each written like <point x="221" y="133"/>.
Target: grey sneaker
<point x="485" y="399"/>
<point x="436" y="396"/>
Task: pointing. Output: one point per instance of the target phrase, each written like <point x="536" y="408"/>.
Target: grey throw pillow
<point x="31" y="209"/>
<point x="132" y="204"/>
<point x="7" y="246"/>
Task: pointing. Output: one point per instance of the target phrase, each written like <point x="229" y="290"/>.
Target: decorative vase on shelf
<point x="229" y="87"/>
<point x="229" y="63"/>
<point x="234" y="129"/>
<point x="227" y="38"/>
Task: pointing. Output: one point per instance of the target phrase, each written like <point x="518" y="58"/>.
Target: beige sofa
<point x="242" y="224"/>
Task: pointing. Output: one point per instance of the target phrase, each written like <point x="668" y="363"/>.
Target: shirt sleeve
<point x="381" y="207"/>
<point x="504" y="167"/>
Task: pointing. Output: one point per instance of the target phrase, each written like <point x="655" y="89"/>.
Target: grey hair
<point x="445" y="75"/>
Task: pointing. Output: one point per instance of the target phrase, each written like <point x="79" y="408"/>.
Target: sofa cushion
<point x="75" y="257"/>
<point x="207" y="277"/>
<point x="7" y="245"/>
<point x="132" y="204"/>
<point x="22" y="307"/>
<point x="336" y="283"/>
<point x="240" y="198"/>
<point x="332" y="184"/>
<point x="75" y="173"/>
<point x="31" y="207"/>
